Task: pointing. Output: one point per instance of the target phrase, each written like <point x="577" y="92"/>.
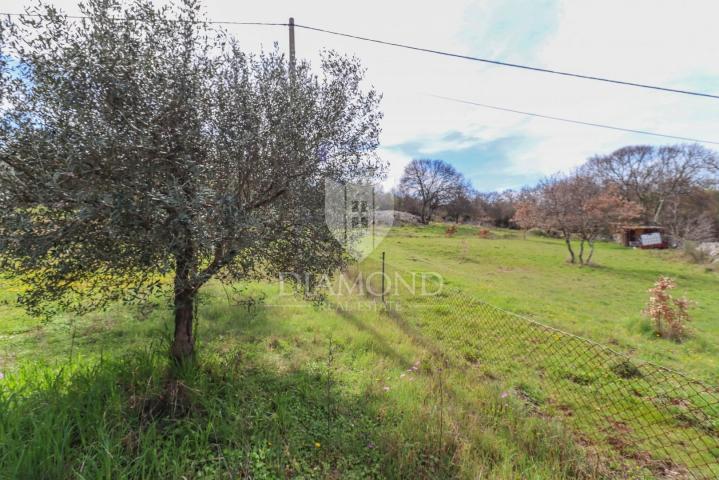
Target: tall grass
<point x="140" y="417"/>
<point x="231" y="415"/>
<point x="268" y="397"/>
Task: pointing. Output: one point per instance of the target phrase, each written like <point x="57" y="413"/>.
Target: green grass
<point x="603" y="302"/>
<point x="629" y="410"/>
<point x="285" y="389"/>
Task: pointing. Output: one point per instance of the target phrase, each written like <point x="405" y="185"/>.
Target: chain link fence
<point x="661" y="422"/>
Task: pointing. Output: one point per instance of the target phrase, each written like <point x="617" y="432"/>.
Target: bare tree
<point x="694" y="216"/>
<point x="434" y="183"/>
<point x="498" y="208"/>
<point x="460" y="207"/>
<point x="599" y="210"/>
<point x="555" y="209"/>
<point x="654" y="176"/>
<point x="135" y="149"/>
<point x="576" y="206"/>
<point x="526" y="214"/>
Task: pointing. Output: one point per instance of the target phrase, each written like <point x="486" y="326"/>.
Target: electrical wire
<point x="429" y="50"/>
<point x="578" y="122"/>
<point x="507" y="64"/>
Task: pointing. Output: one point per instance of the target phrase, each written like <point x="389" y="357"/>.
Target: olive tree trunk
<point x="183" y="344"/>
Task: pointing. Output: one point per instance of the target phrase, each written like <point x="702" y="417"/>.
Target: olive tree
<point x="143" y="153"/>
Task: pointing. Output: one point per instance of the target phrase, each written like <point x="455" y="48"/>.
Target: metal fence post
<point x="382" y="277"/>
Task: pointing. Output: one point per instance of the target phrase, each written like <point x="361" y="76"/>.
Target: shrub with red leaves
<point x="670" y="315"/>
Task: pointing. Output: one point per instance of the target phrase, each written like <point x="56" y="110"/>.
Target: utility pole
<point x="344" y="213"/>
<point x="292" y="47"/>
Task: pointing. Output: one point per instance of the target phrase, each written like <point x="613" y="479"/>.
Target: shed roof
<point x="641" y="227"/>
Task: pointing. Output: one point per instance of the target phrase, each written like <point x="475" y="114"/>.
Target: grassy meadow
<point x="603" y="302"/>
<point x="287" y="389"/>
<point x="663" y="421"/>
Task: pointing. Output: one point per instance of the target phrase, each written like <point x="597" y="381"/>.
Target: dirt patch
<point x="174" y="400"/>
<point x="621" y="439"/>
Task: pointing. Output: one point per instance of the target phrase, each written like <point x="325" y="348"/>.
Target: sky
<point x="668" y="43"/>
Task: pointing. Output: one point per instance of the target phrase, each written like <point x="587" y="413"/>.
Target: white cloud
<point x="397" y="161"/>
<point x="650" y="41"/>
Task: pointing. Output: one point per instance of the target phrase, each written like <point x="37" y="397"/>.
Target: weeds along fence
<point x="638" y="414"/>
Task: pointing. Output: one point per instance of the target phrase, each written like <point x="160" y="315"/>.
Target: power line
<point x="427" y="50"/>
<point x="507" y="64"/>
<point x="579" y="122"/>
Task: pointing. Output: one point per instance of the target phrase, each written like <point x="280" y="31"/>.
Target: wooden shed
<point x="643" y="236"/>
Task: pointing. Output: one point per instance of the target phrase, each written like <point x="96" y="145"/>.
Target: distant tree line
<point x="434" y="190"/>
<point x="675" y="186"/>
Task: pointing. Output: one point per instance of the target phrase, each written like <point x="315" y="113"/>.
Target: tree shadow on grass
<point x="222" y="417"/>
<point x="233" y="415"/>
<point x="383" y="347"/>
<point x="473" y="409"/>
